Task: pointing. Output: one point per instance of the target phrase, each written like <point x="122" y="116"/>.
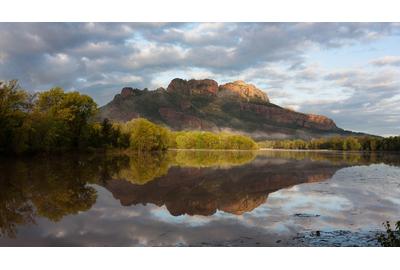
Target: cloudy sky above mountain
<point x="347" y="71"/>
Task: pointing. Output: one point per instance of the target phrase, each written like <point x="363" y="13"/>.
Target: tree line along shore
<point x="351" y="143"/>
<point x="58" y="121"/>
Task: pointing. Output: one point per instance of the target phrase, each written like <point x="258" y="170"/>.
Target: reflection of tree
<point x="49" y="188"/>
<point x="144" y="167"/>
<point x="14" y="210"/>
<point x="203" y="191"/>
<point x="213" y="158"/>
<point x="64" y="200"/>
<point x="202" y="182"/>
<point x="335" y="157"/>
<point x="191" y="182"/>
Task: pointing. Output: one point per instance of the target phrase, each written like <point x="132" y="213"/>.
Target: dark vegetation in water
<point x="365" y="143"/>
<point x="58" y="121"/>
<point x="391" y="238"/>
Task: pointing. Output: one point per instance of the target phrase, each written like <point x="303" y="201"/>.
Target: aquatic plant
<point x="392" y="237"/>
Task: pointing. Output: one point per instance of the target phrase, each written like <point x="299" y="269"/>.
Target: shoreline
<point x="336" y="238"/>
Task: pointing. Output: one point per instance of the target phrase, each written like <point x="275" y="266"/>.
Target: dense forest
<point x="364" y="143"/>
<point x="58" y="121"/>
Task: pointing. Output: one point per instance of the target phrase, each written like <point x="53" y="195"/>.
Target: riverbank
<point x="339" y="238"/>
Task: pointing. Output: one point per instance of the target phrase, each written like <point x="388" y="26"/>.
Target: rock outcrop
<point x="184" y="121"/>
<point x="244" y="90"/>
<point x="288" y="117"/>
<point x="205" y="105"/>
<point x="239" y="89"/>
<point x="193" y="87"/>
<point x="129" y="91"/>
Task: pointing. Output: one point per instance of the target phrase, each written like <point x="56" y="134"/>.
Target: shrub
<point x="209" y="140"/>
<point x="391" y="238"/>
<point x="146" y="136"/>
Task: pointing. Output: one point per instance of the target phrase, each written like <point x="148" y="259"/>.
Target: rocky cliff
<point x="203" y="104"/>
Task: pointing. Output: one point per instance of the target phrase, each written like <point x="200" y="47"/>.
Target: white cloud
<point x="387" y="61"/>
<point x="100" y="58"/>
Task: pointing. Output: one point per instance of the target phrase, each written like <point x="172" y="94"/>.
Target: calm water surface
<point x="196" y="198"/>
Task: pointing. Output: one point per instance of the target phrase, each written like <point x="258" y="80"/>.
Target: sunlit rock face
<point x="193" y="87"/>
<point x="288" y="117"/>
<point x="244" y="90"/>
<point x="204" y="105"/>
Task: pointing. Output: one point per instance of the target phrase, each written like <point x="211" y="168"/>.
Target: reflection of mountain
<point x="236" y="190"/>
<point x="191" y="182"/>
<point x="199" y="183"/>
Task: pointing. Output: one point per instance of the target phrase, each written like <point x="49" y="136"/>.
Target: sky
<point x="349" y="72"/>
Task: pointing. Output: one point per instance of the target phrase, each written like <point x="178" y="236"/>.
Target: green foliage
<point x="14" y="107"/>
<point x="70" y="111"/>
<point x="56" y="120"/>
<point x="51" y="121"/>
<point x="146" y="136"/>
<point x="209" y="140"/>
<point x="108" y="135"/>
<point x="46" y="187"/>
<point x="201" y="159"/>
<point x="338" y="143"/>
<point x="144" y="167"/>
<point x="391" y="238"/>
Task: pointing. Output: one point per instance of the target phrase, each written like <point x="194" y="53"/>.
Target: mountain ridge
<point x="205" y="105"/>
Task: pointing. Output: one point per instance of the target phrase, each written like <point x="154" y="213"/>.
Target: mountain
<point x="205" y="105"/>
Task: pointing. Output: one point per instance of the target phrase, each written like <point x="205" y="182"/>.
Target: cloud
<point x="387" y="61"/>
<point x="101" y="58"/>
<point x="373" y="100"/>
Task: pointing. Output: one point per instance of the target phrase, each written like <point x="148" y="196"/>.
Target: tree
<point x="70" y="112"/>
<point x="209" y="140"/>
<point x="14" y="107"/>
<point x="352" y="144"/>
<point x="146" y="136"/>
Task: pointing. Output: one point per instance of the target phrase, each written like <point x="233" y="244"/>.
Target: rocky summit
<point x="205" y="105"/>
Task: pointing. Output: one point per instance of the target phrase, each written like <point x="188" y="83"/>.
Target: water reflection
<point x="50" y="188"/>
<point x="188" y="188"/>
<point x="185" y="182"/>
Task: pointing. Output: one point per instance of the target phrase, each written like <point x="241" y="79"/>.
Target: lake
<point x="199" y="198"/>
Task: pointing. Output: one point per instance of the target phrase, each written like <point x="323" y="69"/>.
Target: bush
<point x="146" y="136"/>
<point x="209" y="140"/>
<point x="350" y="143"/>
<point x="391" y="238"/>
<point x="55" y="120"/>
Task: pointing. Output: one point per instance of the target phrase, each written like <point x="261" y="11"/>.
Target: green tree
<point x="14" y="108"/>
<point x="146" y="136"/>
<point x="70" y="112"/>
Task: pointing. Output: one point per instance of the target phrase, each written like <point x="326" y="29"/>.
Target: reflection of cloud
<point x="355" y="198"/>
<point x="359" y="197"/>
<point x="341" y="202"/>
